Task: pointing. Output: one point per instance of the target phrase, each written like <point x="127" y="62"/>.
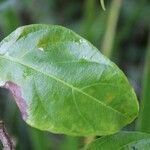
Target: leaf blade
<point x="55" y="61"/>
<point x="123" y="140"/>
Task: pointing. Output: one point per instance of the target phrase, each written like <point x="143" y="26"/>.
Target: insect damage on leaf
<point x="16" y="92"/>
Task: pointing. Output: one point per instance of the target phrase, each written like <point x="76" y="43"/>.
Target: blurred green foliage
<point x="125" y="37"/>
<point x="144" y="121"/>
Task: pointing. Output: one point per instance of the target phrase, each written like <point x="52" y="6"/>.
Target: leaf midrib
<point x="63" y="82"/>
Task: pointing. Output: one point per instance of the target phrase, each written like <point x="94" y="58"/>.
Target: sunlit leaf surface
<point x="63" y="84"/>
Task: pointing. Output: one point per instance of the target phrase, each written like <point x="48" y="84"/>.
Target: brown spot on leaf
<point x="16" y="92"/>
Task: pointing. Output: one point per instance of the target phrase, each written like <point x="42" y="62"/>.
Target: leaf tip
<point x="102" y="4"/>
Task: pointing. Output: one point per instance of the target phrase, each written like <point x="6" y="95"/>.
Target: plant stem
<point x="89" y="139"/>
<point x="108" y="41"/>
<point x="5" y="138"/>
<point x="143" y="123"/>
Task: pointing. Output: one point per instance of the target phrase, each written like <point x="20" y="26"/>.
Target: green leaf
<point x="63" y="84"/>
<point x="122" y="141"/>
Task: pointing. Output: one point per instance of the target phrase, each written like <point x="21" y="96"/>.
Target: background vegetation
<point x="122" y="33"/>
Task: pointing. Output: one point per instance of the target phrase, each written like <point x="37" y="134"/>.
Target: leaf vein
<point x="79" y="112"/>
<point x="63" y="82"/>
